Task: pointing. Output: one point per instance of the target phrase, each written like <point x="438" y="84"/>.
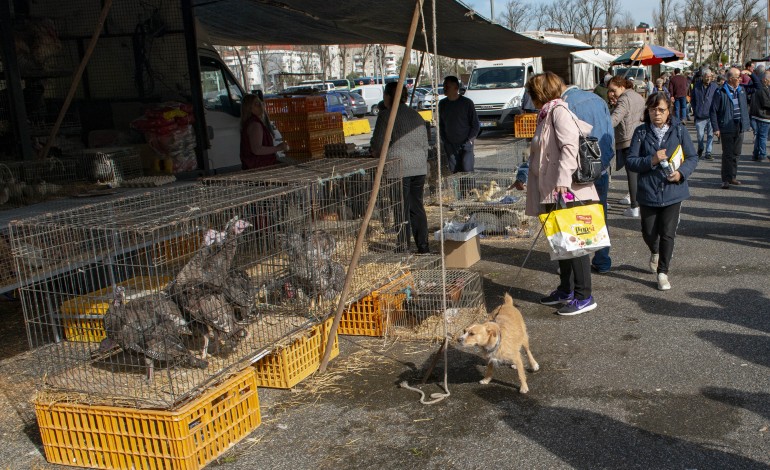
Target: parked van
<point x="497" y="88"/>
<point x="372" y="94"/>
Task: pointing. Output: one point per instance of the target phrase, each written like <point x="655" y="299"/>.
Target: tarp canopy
<point x="596" y="57"/>
<point x="461" y="32"/>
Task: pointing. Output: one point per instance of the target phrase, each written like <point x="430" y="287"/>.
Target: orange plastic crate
<point x="311" y="144"/>
<point x="367" y="316"/>
<point x="524" y="125"/>
<point x="121" y="438"/>
<point x="297" y="105"/>
<point x="287" y="366"/>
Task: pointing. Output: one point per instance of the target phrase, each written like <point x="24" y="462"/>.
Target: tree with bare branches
<point x="662" y="16"/>
<point x="747" y="20"/>
<point x="590" y="14"/>
<point x="564" y="15"/>
<point x="516" y="15"/>
<point x="719" y="15"/>
<point x="611" y="9"/>
<point x="541" y="18"/>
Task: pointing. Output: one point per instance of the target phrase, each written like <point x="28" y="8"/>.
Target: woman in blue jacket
<point x="660" y="197"/>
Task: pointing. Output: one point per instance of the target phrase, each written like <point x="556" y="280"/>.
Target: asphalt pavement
<point x="649" y="380"/>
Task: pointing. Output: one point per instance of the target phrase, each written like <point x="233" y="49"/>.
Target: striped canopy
<point x="648" y="55"/>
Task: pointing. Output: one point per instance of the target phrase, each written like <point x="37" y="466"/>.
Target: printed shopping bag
<point x="575" y="231"/>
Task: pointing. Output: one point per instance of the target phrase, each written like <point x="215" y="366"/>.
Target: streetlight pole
<point x="492" y="10"/>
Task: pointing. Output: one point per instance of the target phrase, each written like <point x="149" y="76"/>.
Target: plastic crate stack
<point x="524" y="125"/>
<point x="305" y="126"/>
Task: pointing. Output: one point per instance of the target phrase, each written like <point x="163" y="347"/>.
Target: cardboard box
<point x="458" y="236"/>
<point x="462" y="254"/>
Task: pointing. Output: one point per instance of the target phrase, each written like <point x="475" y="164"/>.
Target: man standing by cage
<point x="701" y="98"/>
<point x="459" y="126"/>
<point x="409" y="142"/>
<point x="730" y="119"/>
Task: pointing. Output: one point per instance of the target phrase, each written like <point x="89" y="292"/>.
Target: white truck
<point x="497" y="87"/>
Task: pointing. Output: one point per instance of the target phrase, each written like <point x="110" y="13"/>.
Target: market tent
<point x="596" y="57"/>
<point x="461" y="33"/>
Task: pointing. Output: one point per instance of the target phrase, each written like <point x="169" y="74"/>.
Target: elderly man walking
<point x="459" y="126"/>
<point x="760" y="117"/>
<point x="701" y="97"/>
<point x="730" y="119"/>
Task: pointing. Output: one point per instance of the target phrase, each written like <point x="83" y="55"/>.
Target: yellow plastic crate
<point x="367" y="316"/>
<point x="355" y="127"/>
<point x="78" y="328"/>
<point x="287" y="366"/>
<point x="524" y="125"/>
<point x="122" y="438"/>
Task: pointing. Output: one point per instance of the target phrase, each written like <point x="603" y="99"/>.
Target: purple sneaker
<point x="577" y="306"/>
<point x="557" y="297"/>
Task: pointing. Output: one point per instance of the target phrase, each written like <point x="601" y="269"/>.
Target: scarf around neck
<point x="548" y="107"/>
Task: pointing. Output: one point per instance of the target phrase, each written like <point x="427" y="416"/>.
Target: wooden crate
<point x="287" y="366"/>
<point x="126" y="438"/>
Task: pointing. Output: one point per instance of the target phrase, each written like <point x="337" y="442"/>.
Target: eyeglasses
<point x="657" y="110"/>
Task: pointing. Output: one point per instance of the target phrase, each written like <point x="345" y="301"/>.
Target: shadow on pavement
<point x="758" y="403"/>
<point x="752" y="348"/>
<point x="588" y="440"/>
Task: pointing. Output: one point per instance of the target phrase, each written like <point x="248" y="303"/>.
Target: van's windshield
<point x="497" y="77"/>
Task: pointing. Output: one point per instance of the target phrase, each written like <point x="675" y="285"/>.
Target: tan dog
<point x="501" y="340"/>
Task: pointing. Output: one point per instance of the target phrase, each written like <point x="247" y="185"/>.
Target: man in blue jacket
<point x="730" y="119"/>
<point x="592" y="109"/>
<point x="701" y="98"/>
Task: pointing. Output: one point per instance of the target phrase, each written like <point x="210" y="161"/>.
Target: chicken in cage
<point x="414" y="306"/>
<point x="23" y="183"/>
<point x="110" y="165"/>
<point x="152" y="297"/>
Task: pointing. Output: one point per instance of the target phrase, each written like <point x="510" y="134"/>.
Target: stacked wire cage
<point x="414" y="306"/>
<point x="28" y="182"/>
<point x="339" y="191"/>
<point x="487" y="196"/>
<point x="147" y="300"/>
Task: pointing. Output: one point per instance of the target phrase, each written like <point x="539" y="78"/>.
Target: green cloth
<point x="602" y="91"/>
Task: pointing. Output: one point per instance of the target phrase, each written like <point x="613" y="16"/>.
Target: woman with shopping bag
<point x="552" y="162"/>
<point x="664" y="156"/>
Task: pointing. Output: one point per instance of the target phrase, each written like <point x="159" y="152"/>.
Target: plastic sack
<point x="575" y="231"/>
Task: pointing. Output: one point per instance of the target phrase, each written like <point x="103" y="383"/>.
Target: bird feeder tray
<point x="186" y="438"/>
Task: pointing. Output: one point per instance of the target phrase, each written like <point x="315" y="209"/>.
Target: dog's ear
<point x="492" y="332"/>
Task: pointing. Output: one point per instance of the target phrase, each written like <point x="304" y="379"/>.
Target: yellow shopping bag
<point x="575" y="231"/>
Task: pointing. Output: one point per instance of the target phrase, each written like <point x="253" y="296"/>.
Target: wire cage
<point x="506" y="158"/>
<point x="339" y="190"/>
<point x="481" y="188"/>
<point x="28" y="182"/>
<point x="413" y="306"/>
<point x="150" y="298"/>
<point x="110" y="165"/>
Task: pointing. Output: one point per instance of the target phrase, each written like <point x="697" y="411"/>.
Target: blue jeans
<point x="680" y="108"/>
<point x="602" y="259"/>
<point x="703" y="128"/>
<point x="760" y="138"/>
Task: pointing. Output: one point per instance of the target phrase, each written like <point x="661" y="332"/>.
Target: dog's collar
<point x="497" y="344"/>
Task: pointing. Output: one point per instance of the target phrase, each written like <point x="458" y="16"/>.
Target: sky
<point x="641" y="10"/>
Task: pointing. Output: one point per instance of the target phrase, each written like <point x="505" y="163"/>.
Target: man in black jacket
<point x="730" y="119"/>
<point x="760" y="115"/>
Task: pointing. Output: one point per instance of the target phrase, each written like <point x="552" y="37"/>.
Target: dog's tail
<point x="507" y="299"/>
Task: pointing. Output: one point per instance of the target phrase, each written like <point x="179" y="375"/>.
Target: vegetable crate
<point x="81" y="316"/>
<point x="311" y="143"/>
<point x="298" y="105"/>
<point x="366" y="317"/>
<point x="122" y="438"/>
<point x="287" y="366"/>
<point x="524" y="125"/>
<point x="311" y="122"/>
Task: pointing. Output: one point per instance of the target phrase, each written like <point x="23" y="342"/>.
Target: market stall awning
<point x="461" y="32"/>
<point x="596" y="57"/>
<point x="648" y="54"/>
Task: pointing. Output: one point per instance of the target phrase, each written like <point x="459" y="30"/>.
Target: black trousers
<point x="731" y="150"/>
<point x="413" y="221"/>
<point x="575" y="275"/>
<point x="659" y="229"/>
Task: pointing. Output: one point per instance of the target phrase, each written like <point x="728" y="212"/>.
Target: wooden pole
<point x="77" y="77"/>
<point x="375" y="188"/>
<point x="417" y="78"/>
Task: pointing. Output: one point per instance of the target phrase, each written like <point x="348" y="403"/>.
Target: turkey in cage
<point x="414" y="307"/>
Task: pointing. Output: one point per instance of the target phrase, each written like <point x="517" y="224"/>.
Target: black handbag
<point x="589" y="158"/>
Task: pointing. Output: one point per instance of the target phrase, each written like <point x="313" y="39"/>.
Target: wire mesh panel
<point x="28" y="182"/>
<point x="150" y="298"/>
<point x="488" y="188"/>
<point x="339" y="190"/>
<point x="506" y="159"/>
<point x="110" y="165"/>
<point x="414" y="306"/>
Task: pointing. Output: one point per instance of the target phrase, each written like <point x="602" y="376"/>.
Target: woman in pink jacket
<point x="553" y="159"/>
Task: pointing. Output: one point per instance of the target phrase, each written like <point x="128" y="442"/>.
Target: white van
<point x="497" y="87"/>
<point x="372" y="95"/>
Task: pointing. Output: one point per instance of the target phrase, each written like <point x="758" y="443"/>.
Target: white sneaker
<point x="632" y="212"/>
<point x="625" y="200"/>
<point x="663" y="283"/>
<point x="654" y="263"/>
